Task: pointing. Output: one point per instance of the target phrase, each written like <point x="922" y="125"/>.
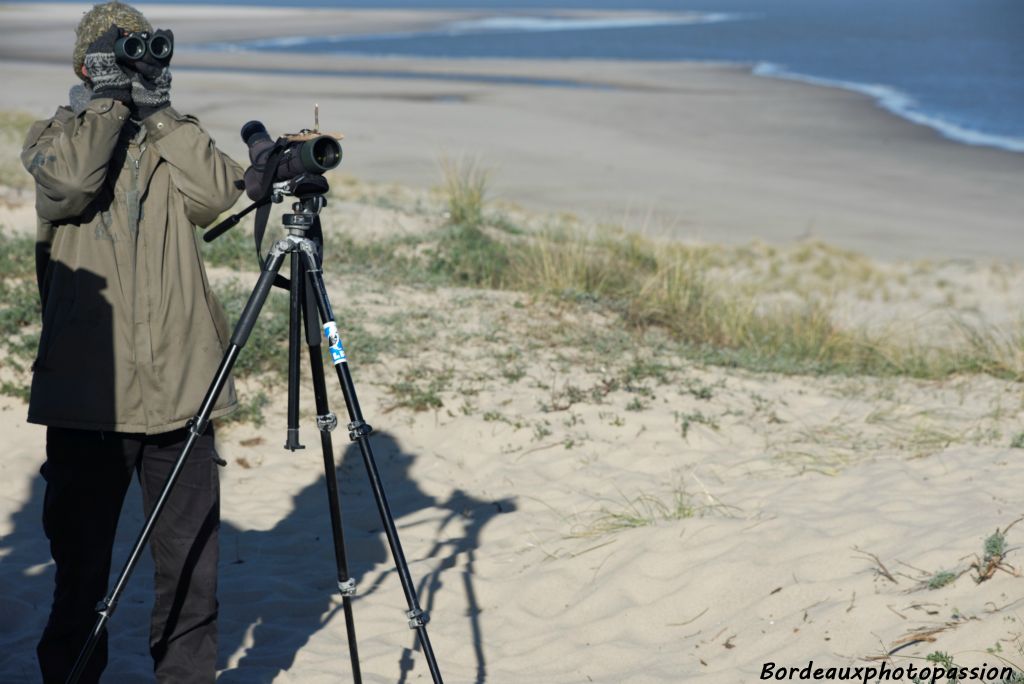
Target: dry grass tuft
<point x="464" y="183"/>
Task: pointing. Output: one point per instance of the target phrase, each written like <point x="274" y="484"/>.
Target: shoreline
<point x="410" y="21"/>
<point x="887" y="98"/>
<point x="685" y="150"/>
<point x="899" y="104"/>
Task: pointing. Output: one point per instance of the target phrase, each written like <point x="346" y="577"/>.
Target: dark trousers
<point x="87" y="474"/>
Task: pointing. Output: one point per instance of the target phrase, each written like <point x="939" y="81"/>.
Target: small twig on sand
<point x="542" y="447"/>
<point x="880" y="566"/>
<point x="896" y="611"/>
<point x="919" y="636"/>
<point x="693" y="619"/>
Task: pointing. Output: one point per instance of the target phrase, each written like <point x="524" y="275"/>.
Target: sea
<point x="956" y="66"/>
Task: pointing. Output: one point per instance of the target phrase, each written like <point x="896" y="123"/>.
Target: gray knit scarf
<point x="79" y="97"/>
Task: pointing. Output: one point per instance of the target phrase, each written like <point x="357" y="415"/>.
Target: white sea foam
<point x="300" y="41"/>
<point x="901" y="104"/>
<point x="542" y="24"/>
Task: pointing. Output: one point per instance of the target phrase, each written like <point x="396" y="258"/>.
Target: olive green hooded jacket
<point x="131" y="332"/>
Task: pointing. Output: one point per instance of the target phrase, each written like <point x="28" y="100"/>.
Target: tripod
<point x="308" y="304"/>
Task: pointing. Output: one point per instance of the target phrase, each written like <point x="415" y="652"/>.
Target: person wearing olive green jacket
<point x="130" y="341"/>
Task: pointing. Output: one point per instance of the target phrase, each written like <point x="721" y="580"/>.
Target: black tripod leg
<point x="296" y="297"/>
<point x="196" y="427"/>
<point x="326" y="422"/>
<point x="359" y="432"/>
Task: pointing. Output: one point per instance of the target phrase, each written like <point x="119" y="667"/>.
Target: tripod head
<point x="308" y="188"/>
<point x="303" y="187"/>
<point x="294" y="165"/>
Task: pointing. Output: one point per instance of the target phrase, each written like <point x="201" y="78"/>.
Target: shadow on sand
<point x="270" y="609"/>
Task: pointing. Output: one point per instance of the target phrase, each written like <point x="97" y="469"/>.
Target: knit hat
<point x="97" y="20"/>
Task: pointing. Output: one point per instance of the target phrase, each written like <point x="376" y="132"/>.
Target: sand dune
<point x="595" y="542"/>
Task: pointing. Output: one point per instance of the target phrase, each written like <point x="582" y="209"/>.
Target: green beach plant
<point x="13" y="127"/>
<point x="941" y="579"/>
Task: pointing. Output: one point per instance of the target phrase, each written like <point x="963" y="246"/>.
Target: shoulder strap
<point x="263" y="212"/>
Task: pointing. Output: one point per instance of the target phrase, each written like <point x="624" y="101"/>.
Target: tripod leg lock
<point x="358" y="429"/>
<point x="417" y="618"/>
<point x="327" y="422"/>
<point x="196" y="429"/>
<point x="105" y="608"/>
<point x="347" y="587"/>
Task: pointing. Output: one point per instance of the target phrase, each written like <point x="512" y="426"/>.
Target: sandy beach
<point x="690" y="151"/>
<point x="584" y="503"/>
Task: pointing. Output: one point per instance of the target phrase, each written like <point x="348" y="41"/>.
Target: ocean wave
<point x="901" y="104"/>
<point x="299" y="43"/>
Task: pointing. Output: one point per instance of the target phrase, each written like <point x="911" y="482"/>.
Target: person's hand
<point x="151" y="83"/>
<point x="101" y="67"/>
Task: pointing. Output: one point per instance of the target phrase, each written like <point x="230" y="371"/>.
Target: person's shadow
<point x="77" y="334"/>
<point x="270" y="616"/>
<point x="28" y="573"/>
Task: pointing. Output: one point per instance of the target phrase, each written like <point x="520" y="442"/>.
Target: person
<point x="131" y="337"/>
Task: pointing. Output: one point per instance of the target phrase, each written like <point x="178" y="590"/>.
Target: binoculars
<point x="136" y="45"/>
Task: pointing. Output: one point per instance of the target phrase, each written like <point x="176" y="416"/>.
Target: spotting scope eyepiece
<point x="254" y="132"/>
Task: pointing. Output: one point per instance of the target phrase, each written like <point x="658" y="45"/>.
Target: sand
<point x="564" y="525"/>
<point x="690" y="528"/>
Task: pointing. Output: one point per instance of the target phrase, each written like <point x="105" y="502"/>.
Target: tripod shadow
<point x="271" y="613"/>
<point x="473" y="514"/>
<point x="449" y="548"/>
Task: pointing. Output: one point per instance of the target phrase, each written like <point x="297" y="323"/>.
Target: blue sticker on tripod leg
<point x="334" y="342"/>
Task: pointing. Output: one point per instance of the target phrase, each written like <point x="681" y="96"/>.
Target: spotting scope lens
<point x="320" y="154"/>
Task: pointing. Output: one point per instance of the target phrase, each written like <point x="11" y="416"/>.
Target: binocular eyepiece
<point x="137" y="45"/>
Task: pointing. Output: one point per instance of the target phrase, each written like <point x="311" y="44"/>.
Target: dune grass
<point x="686" y="291"/>
<point x="465" y="184"/>
<point x="13" y="127"/>
<point x="645" y="285"/>
<point x="669" y="287"/>
<point x="19" y="310"/>
<point x="643" y="510"/>
<point x="672" y="287"/>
